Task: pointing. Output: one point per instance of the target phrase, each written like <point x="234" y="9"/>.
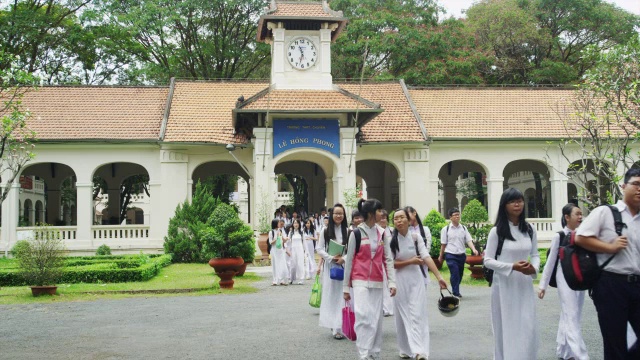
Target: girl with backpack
<point x="410" y="253"/>
<point x="569" y="338"/>
<point x="277" y="239"/>
<point x="297" y="251"/>
<point x="415" y="226"/>
<point x="513" y="310"/>
<point x="368" y="252"/>
<point x="331" y="302"/>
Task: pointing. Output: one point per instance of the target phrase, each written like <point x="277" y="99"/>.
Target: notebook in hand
<point x="335" y="248"/>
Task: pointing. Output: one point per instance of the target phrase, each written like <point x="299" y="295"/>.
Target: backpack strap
<point x="530" y="231"/>
<point x="415" y="240"/>
<point x="500" y="244"/>
<point x="617" y="219"/>
<point x="358" y="236"/>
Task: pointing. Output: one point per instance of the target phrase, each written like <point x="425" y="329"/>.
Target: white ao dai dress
<point x="298" y="254"/>
<point x="513" y="308"/>
<point x="569" y="338"/>
<point x="278" y="261"/>
<point x="332" y="300"/>
<point x="410" y="302"/>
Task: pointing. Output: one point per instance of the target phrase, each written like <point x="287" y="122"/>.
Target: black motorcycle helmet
<point x="448" y="305"/>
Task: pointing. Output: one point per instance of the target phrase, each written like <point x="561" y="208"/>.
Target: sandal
<point x="338" y="336"/>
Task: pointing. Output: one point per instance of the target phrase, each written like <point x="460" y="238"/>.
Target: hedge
<point x="101" y="272"/>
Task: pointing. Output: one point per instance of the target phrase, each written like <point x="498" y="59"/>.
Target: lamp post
<point x="231" y="148"/>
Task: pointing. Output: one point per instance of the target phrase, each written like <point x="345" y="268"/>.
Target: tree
<point x="16" y="140"/>
<point x="132" y="185"/>
<point x="221" y="186"/>
<point x="540" y="41"/>
<point x="601" y="122"/>
<point x="194" y="39"/>
<point x="300" y="191"/>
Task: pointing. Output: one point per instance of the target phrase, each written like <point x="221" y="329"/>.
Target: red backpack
<point x="579" y="265"/>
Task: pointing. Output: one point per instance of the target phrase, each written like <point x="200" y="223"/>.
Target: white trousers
<point x="368" y="326"/>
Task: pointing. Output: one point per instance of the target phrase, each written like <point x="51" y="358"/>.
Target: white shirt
<point x="456" y="238"/>
<point x="600" y="224"/>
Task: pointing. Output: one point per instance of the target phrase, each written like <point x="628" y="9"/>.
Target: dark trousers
<point x="617" y="302"/>
<point x="456" y="268"/>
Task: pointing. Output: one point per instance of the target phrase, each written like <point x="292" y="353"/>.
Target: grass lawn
<point x="175" y="279"/>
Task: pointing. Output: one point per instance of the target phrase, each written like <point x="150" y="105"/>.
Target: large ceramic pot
<point x="226" y="269"/>
<point x="43" y="290"/>
<point x="475" y="265"/>
<point x="262" y="244"/>
<point x="242" y="269"/>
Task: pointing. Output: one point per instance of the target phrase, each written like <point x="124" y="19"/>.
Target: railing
<point x="118" y="232"/>
<point x="38" y="232"/>
<point x="542" y="224"/>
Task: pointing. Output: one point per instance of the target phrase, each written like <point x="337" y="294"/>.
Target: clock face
<point x="302" y="53"/>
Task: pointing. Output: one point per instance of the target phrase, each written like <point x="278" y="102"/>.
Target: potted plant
<point x="41" y="262"/>
<point x="225" y="240"/>
<point x="435" y="222"/>
<point x="264" y="225"/>
<point x="473" y="216"/>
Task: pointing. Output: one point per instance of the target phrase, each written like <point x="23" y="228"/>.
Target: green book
<point x="335" y="248"/>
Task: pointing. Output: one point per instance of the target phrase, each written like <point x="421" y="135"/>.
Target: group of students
<point x="382" y="263"/>
<point x="616" y="294"/>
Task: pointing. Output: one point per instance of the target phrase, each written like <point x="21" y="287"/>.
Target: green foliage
<point x="264" y="213"/>
<point x="221" y="186"/>
<point x="100" y="269"/>
<point x="41" y="262"/>
<point x="227" y="236"/>
<point x="435" y="221"/>
<point x="19" y="247"/>
<point x="473" y="215"/>
<point x="103" y="250"/>
<point x="183" y="240"/>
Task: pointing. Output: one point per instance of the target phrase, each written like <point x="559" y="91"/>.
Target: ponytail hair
<point x="410" y="209"/>
<point x="566" y="211"/>
<point x="369" y="207"/>
<point x="395" y="247"/>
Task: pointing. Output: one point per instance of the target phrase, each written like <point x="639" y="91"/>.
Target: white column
<point x="262" y="186"/>
<point x="414" y="184"/>
<point x="432" y="195"/>
<point x="329" y="186"/>
<point x="84" y="208"/>
<point x="402" y="189"/>
<point x="167" y="192"/>
<point x="10" y="213"/>
<point x="494" y="190"/>
<point x="559" y="196"/>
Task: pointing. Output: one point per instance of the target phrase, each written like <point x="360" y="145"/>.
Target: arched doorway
<point x="119" y="187"/>
<point x="226" y="181"/>
<point x="381" y="181"/>
<point x="531" y="177"/>
<point x="460" y="182"/>
<point x="53" y="185"/>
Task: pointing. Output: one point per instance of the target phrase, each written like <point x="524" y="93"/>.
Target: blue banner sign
<point x="290" y="134"/>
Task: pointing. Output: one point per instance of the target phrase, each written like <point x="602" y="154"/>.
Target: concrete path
<point x="275" y="323"/>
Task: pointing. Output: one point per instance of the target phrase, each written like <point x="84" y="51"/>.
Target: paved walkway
<point x="275" y="323"/>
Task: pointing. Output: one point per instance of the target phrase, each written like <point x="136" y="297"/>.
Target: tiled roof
<point x="397" y="123"/>
<point x="491" y="113"/>
<point x="201" y="111"/>
<point x="300" y="9"/>
<point x="308" y="100"/>
<point x="94" y="113"/>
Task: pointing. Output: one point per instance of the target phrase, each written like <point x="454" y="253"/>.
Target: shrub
<point x="183" y="240"/>
<point x="227" y="236"/>
<point x="41" y="262"/>
<point x="473" y="215"/>
<point x="103" y="250"/>
<point x="125" y="269"/>
<point x="19" y="247"/>
<point x="435" y="222"/>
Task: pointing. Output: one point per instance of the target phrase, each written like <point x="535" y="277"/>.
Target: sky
<point x="455" y="7"/>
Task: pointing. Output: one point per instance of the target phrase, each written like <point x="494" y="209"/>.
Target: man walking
<point x="616" y="295"/>
<point x="453" y="238"/>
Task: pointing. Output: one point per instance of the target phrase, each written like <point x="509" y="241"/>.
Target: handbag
<point x="279" y="242"/>
<point x="316" y="293"/>
<point x="337" y="273"/>
<point x="348" y="322"/>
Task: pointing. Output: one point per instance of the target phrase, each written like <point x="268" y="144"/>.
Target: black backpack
<point x="579" y="265"/>
<point x="488" y="273"/>
<point x="562" y="242"/>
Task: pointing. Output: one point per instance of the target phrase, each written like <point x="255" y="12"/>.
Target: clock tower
<point x="300" y="34"/>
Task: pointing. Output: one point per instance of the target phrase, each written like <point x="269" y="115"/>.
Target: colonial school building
<point x="432" y="148"/>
